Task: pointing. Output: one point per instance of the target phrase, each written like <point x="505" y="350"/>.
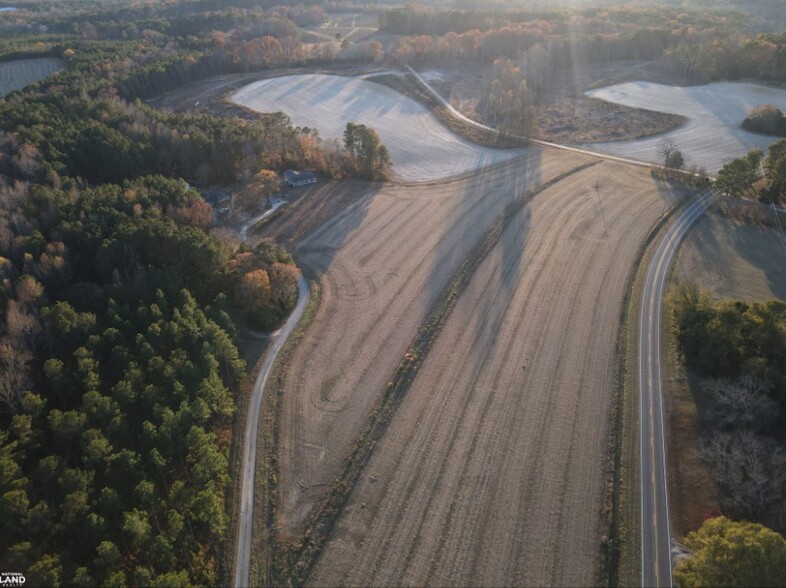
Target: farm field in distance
<point x="734" y="257"/>
<point x="15" y="75"/>
<point x="714" y="112"/>
<point x="507" y="386"/>
<point x="420" y="146"/>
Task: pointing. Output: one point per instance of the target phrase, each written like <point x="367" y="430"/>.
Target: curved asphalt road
<point x="655" y="529"/>
<point x="246" y="518"/>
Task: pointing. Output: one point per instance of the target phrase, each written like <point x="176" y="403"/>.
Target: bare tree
<point x="21" y="325"/>
<point x="670" y="153"/>
<point x="740" y="404"/>
<point x="750" y="471"/>
<point x="666" y="147"/>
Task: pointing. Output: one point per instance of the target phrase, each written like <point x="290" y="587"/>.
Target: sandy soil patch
<point x="492" y="470"/>
<point x="420" y="146"/>
<point x="384" y="261"/>
<point x="734" y="258"/>
<point x="16" y="75"/>
<point x="715" y="112"/>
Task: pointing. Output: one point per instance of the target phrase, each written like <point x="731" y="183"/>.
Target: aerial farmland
<point x="378" y="294"/>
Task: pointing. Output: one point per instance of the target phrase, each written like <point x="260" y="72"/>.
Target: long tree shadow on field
<point x="321" y="218"/>
<point x="762" y="243"/>
<point x="485" y="203"/>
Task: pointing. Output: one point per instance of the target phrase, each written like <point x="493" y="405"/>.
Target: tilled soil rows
<point x="492" y="472"/>
<point x="384" y="261"/>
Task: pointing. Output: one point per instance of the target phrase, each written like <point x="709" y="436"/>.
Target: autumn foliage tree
<point x="508" y="102"/>
<point x="266" y="284"/>
<point x="730" y="553"/>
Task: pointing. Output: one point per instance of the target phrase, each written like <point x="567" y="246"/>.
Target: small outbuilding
<point x="295" y="179"/>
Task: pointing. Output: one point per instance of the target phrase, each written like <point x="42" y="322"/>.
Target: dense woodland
<point x="739" y="350"/>
<point x="118" y="314"/>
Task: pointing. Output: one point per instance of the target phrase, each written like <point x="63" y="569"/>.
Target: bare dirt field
<point x="15" y="75"/>
<point x="492" y="469"/>
<point x="735" y="258"/>
<point x="384" y="260"/>
<point x="420" y="147"/>
<point x="712" y="135"/>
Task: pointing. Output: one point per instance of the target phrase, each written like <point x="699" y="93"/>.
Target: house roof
<point x="217" y="198"/>
<point x="294" y="176"/>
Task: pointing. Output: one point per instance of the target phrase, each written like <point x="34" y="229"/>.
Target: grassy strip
<point x="409" y="86"/>
<point x="294" y="564"/>
<point x="621" y="548"/>
<point x="264" y="543"/>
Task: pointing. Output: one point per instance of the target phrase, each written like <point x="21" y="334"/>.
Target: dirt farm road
<point x="655" y="528"/>
<point x="245" y="518"/>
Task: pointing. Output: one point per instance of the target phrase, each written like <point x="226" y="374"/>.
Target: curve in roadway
<point x="246" y="518"/>
<point x="655" y="524"/>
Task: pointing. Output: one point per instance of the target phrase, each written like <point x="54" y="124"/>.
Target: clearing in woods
<point x="492" y="470"/>
<point x="420" y="147"/>
<point x="15" y="75"/>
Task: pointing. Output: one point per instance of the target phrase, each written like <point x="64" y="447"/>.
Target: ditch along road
<point x="246" y="516"/>
<point x="655" y="526"/>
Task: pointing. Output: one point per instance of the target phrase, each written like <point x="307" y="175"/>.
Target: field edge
<point x="622" y="555"/>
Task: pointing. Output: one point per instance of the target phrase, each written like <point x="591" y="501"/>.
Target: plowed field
<point x="492" y="469"/>
<point x="384" y="261"/>
<point x="420" y="147"/>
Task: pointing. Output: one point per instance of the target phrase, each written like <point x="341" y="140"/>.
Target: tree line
<point x="739" y="350"/>
<point x="755" y="175"/>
